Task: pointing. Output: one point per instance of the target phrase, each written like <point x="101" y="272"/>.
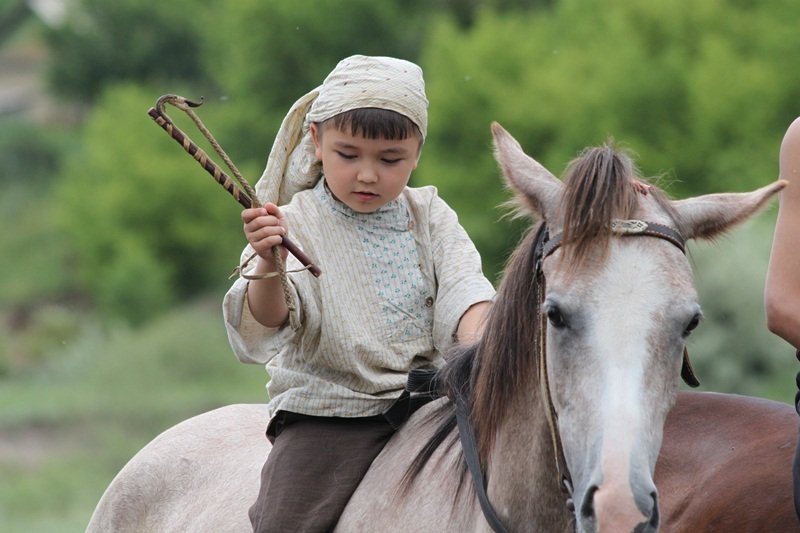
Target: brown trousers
<point x="314" y="467"/>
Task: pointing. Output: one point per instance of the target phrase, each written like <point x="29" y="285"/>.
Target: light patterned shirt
<point x="395" y="284"/>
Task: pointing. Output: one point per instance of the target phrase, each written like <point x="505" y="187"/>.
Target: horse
<point x="563" y="397"/>
<point x="725" y="465"/>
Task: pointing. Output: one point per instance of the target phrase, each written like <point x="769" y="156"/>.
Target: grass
<point x="68" y="428"/>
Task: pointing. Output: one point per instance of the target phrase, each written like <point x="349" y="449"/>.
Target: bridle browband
<point x="626" y="227"/>
<point x="544" y="246"/>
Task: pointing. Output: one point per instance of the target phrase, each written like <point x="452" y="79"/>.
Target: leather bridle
<point x="544" y="246"/>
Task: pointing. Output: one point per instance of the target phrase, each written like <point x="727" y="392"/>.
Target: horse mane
<point x="600" y="186"/>
<point x="486" y="375"/>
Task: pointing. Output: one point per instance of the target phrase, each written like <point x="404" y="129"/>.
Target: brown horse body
<point x="725" y="465"/>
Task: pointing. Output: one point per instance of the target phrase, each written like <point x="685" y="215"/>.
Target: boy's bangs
<point x="375" y="123"/>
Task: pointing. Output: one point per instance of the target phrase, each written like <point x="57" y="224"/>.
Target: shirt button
<point x="429" y="301"/>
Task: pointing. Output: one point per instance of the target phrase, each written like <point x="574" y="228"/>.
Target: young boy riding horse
<point x="402" y="281"/>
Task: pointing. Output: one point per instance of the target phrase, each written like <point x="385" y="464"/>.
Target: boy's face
<point x="364" y="174"/>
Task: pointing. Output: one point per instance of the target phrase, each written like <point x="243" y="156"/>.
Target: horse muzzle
<point x="618" y="509"/>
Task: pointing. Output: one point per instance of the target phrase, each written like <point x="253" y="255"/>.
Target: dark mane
<point x="488" y="374"/>
<point x="600" y="185"/>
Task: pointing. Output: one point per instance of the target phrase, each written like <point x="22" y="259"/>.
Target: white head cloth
<point x="356" y="82"/>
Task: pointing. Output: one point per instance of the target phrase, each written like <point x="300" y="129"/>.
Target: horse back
<point x="726" y="465"/>
<point x="433" y="501"/>
<point x="200" y="475"/>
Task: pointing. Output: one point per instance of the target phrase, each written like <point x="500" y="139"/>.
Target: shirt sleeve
<point x="251" y="341"/>
<point x="459" y="275"/>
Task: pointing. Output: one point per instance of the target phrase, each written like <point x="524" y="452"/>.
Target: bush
<point x="28" y="153"/>
<point x="148" y="226"/>
<point x="107" y="43"/>
<point x="732" y="350"/>
<point x="700" y="92"/>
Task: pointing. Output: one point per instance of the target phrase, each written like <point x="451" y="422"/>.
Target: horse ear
<point x="705" y="217"/>
<point x="533" y="183"/>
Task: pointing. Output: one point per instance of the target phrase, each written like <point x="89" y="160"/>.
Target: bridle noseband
<point x="544" y="246"/>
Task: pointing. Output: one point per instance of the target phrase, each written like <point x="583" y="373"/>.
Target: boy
<point x="401" y="281"/>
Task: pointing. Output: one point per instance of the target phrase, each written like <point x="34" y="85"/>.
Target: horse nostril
<point x="587" y="508"/>
<point x="654" y="518"/>
<point x="652" y="524"/>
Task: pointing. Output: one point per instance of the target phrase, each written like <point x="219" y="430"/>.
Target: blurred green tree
<point x="732" y="350"/>
<point x="29" y="152"/>
<point x="13" y="14"/>
<point x="149" y="227"/>
<point x="266" y="55"/>
<point x="701" y="94"/>
<point x="146" y="41"/>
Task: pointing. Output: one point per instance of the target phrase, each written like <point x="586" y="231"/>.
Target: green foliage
<point x="136" y="285"/>
<point x="13" y="14"/>
<point x="38" y="333"/>
<point x="31" y="276"/>
<point x="732" y="350"/>
<point x="148" y="225"/>
<point x="99" y="399"/>
<point x="29" y="152"/>
<point x="53" y="493"/>
<point x="104" y="43"/>
<point x="283" y="49"/>
<point x="702" y="93"/>
<point x="33" y="250"/>
<point x="178" y="362"/>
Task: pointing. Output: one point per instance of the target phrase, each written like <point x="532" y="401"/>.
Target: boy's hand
<point x="264" y="228"/>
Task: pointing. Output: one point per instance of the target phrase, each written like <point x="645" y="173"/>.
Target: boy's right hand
<point x="264" y="228"/>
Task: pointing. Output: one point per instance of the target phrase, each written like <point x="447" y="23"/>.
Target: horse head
<point x="615" y="315"/>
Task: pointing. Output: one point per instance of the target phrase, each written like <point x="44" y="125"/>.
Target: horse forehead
<point x="648" y="266"/>
<point x="643" y="270"/>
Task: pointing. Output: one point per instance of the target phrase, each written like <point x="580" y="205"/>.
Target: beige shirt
<point x="395" y="284"/>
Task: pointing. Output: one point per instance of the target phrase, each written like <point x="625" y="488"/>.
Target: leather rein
<point x="544" y="246"/>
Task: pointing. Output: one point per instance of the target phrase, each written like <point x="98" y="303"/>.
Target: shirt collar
<point x="393" y="215"/>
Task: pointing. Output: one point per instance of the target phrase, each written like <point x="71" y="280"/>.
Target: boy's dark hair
<point x="375" y="123"/>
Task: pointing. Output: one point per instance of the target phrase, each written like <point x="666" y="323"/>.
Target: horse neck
<point x="509" y="411"/>
<point x="523" y="477"/>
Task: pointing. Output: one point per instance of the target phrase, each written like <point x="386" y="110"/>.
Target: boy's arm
<point x="463" y="294"/>
<point x="265" y="297"/>
<point x="472" y="322"/>
<point x="264" y="228"/>
<point x="782" y="291"/>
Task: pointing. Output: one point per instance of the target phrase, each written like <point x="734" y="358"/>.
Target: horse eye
<point x="556" y="317"/>
<point x="693" y="323"/>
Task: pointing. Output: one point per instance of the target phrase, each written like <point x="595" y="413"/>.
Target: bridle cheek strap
<point x="625" y="228"/>
<point x="544" y="245"/>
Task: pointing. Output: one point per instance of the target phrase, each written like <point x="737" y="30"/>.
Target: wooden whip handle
<point x="227" y="183"/>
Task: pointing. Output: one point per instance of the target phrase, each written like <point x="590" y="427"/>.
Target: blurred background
<point x="116" y="246"/>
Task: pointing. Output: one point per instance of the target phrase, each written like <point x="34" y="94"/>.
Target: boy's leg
<point x="312" y="470"/>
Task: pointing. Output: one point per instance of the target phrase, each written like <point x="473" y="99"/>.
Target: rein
<point x="544" y="245"/>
